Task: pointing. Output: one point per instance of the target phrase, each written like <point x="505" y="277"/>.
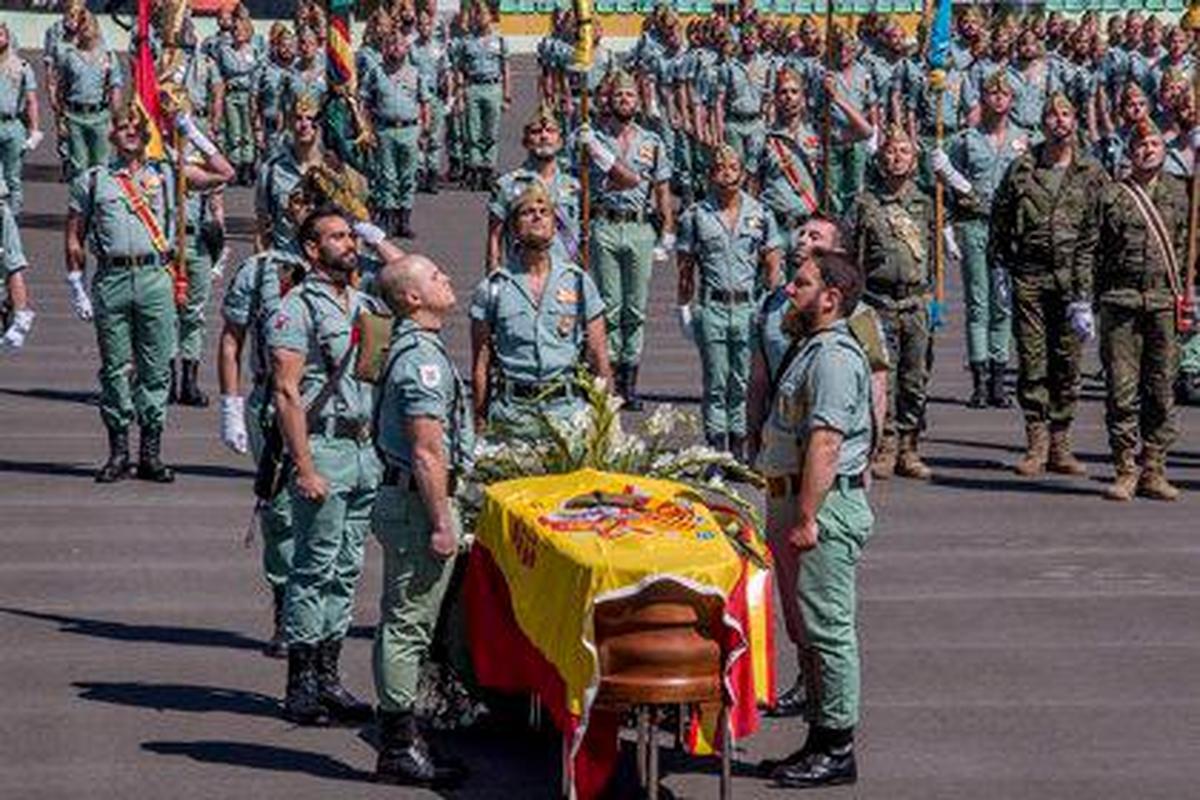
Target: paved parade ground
<point x="1021" y="638"/>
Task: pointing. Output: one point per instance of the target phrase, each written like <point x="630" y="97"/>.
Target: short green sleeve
<point x="422" y="385"/>
<point x="239" y="295"/>
<point x="289" y="328"/>
<point x="835" y="389"/>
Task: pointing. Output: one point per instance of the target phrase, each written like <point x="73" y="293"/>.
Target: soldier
<point x="58" y="38"/>
<point x="923" y="103"/>
<point x="89" y="86"/>
<point x="543" y="143"/>
<point x="268" y="89"/>
<point x="622" y="238"/>
<point x="425" y="438"/>
<point x="307" y="75"/>
<point x="1142" y="223"/>
<point x="16" y="309"/>
<point x="977" y="162"/>
<point x="20" y="127"/>
<point x="849" y="153"/>
<point x="397" y="97"/>
<point x="124" y="211"/>
<point x="1040" y="234"/>
<point x="732" y="241"/>
<point x="533" y="323"/>
<point x="237" y="63"/>
<point x="280" y="176"/>
<point x="432" y="60"/>
<point x="482" y="60"/>
<point x="815" y="456"/>
<point x="1032" y="80"/>
<point x="744" y="87"/>
<point x="324" y="415"/>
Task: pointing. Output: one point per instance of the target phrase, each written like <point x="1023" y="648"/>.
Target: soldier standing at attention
<point x="89" y="84"/>
<point x="237" y="63"/>
<point x="1142" y="222"/>
<point x="268" y="89"/>
<point x="482" y="60"/>
<point x="852" y="80"/>
<point x="623" y="248"/>
<point x="424" y="435"/>
<point x="744" y="87"/>
<point x="893" y="229"/>
<point x="307" y="76"/>
<point x="124" y="211"/>
<point x="16" y="309"/>
<point x="20" y="125"/>
<point x="815" y="455"/>
<point x="432" y="60"/>
<point x="1042" y="235"/>
<point x="59" y="38"/>
<point x="324" y="415"/>
<point x="282" y="174"/>
<point x="533" y="324"/>
<point x="732" y="241"/>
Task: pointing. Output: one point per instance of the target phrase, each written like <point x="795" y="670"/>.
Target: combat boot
<point x="189" y="387"/>
<point x="1153" y="482"/>
<point x="150" y="466"/>
<point x="277" y="647"/>
<point x="342" y="706"/>
<point x="455" y="172"/>
<point x="908" y="462"/>
<point x="173" y="388"/>
<point x="997" y="394"/>
<point x="1034" y="461"/>
<point x="404" y="756"/>
<point x="883" y="462"/>
<point x="1061" y="459"/>
<point x="979" y="397"/>
<point x="117" y="466"/>
<point x="1125" y="482"/>
<point x="737" y="446"/>
<point x="829" y="761"/>
<point x="632" y="401"/>
<point x="302" y="705"/>
<point x="404" y="228"/>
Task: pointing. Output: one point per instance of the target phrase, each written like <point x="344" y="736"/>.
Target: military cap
<point x="895" y="133"/>
<point x="306" y="104"/>
<point x="279" y="30"/>
<point x="542" y="116"/>
<point x="997" y="81"/>
<point x="535" y="192"/>
<point x="786" y="73"/>
<point x="724" y="154"/>
<point x="1058" y="101"/>
<point x="623" y="80"/>
<point x="1131" y="89"/>
<point x="1144" y="129"/>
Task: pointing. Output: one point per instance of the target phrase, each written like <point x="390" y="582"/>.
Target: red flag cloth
<point x="145" y="80"/>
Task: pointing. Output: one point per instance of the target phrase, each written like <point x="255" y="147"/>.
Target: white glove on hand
<point x="684" y="313"/>
<point x="872" y="143"/>
<point x="22" y="324"/>
<point x="953" y="253"/>
<point x="1079" y="313"/>
<point x="602" y="157"/>
<point x="187" y="126"/>
<point x="369" y="232"/>
<point x="233" y="423"/>
<point x="1194" y="138"/>
<point x="940" y="163"/>
<point x="80" y="301"/>
<point x="35" y="138"/>
<point x="662" y="251"/>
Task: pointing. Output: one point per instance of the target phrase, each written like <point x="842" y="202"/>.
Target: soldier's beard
<point x="797" y="323"/>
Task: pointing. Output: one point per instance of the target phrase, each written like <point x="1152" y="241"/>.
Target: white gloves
<point x="80" y="301"/>
<point x="35" y="138"/>
<point x="684" y="314"/>
<point x="872" y="143"/>
<point x="369" y="232"/>
<point x="233" y="423"/>
<point x="602" y="157"/>
<point x="1079" y="313"/>
<point x="940" y="162"/>
<point x="22" y="324"/>
<point x="218" y="267"/>
<point x="662" y="251"/>
<point x="187" y="126"/>
<point x="953" y="253"/>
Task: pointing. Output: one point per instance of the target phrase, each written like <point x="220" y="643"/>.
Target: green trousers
<point x="430" y="163"/>
<point x="395" y="180"/>
<point x="456" y="137"/>
<point x="748" y="137"/>
<point x="847" y="173"/>
<point x="87" y="140"/>
<point x="275" y="517"/>
<point x="520" y="417"/>
<point x="191" y="316"/>
<point x="621" y="257"/>
<point x="1140" y="349"/>
<point x="1048" y="351"/>
<point x="237" y="126"/>
<point x="827" y="600"/>
<point x="723" y="333"/>
<point x="329" y="541"/>
<point x="483" y="124"/>
<point x="12" y="160"/>
<point x="135" y="327"/>
<point x="906" y="333"/>
<point x="414" y="585"/>
<point x="989" y="315"/>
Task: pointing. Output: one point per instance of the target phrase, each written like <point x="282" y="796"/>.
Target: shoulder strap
<point x="381" y="388"/>
<point x="1157" y="229"/>
<point x="334" y="370"/>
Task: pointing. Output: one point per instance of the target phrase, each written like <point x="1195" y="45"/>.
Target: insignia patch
<point x="430" y="375"/>
<point x="1020" y="146"/>
<point x="646" y="152"/>
<point x="565" y="295"/>
<point x="566" y="324"/>
<point x="281" y="321"/>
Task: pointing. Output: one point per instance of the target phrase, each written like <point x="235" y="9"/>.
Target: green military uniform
<point x="251" y="300"/>
<point x="925" y="103"/>
<point x="237" y="66"/>
<point x="1039" y="236"/>
<point x="394" y="98"/>
<point x="16" y="82"/>
<point x="132" y="289"/>
<point x="728" y="261"/>
<point x="279" y="177"/>
<point x="198" y="261"/>
<point x="456" y="120"/>
<point x="480" y="60"/>
<point x="329" y="536"/>
<point x="563" y="191"/>
<point x="622" y="241"/>
<point x="826" y="386"/>
<point x="848" y="156"/>
<point x="421" y="381"/>
<point x="86" y="79"/>
<point x="745" y="86"/>
<point x="304" y="82"/>
<point x="1031" y="86"/>
<point x="790" y="177"/>
<point x="268" y="99"/>
<point x="433" y="63"/>
<point x="536" y="346"/>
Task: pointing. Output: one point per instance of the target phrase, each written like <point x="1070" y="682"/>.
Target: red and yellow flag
<point x="145" y="81"/>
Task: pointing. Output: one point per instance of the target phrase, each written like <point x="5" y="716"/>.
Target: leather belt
<point x="86" y="108"/>
<point x="538" y="391"/>
<point x="403" y="478"/>
<point x="9" y="117"/>
<point x="613" y="215"/>
<point x="897" y="291"/>
<point x="345" y="428"/>
<point x="727" y="297"/>
<point x="780" y="485"/>
<point x="397" y="125"/>
<point x="483" y="81"/>
<point x="743" y="117"/>
<point x="130" y="262"/>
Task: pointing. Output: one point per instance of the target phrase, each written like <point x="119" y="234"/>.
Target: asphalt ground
<point x="1020" y="638"/>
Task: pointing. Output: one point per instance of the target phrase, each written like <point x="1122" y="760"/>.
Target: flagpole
<point x="827" y="119"/>
<point x="937" y="43"/>
<point x="583" y="62"/>
<point x="180" y="279"/>
<point x="1191" y="23"/>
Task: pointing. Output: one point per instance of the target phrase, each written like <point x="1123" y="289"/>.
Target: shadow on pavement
<point x="180" y="697"/>
<point x="1022" y="486"/>
<point x="259" y="756"/>
<point x="60" y="395"/>
<point x="89" y="472"/>
<point x="124" y="632"/>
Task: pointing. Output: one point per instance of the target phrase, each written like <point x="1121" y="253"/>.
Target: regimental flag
<point x="583" y="47"/>
<point x="939" y="36"/>
<point x="338" y="116"/>
<point x="145" y="81"/>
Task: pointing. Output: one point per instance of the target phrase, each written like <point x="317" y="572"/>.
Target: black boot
<point x="432" y="182"/>
<point x="404" y="756"/>
<point x="173" y="391"/>
<point x="791" y="703"/>
<point x="632" y="401"/>
<point x="997" y="394"/>
<point x="150" y="466"/>
<point x="189" y="388"/>
<point x="342" y="706"/>
<point x="117" y="466"/>
<point x="277" y="647"/>
<point x="302" y="704"/>
<point x="979" y="397"/>
<point x="830" y="761"/>
<point x="455" y="172"/>
<point x="404" y="227"/>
